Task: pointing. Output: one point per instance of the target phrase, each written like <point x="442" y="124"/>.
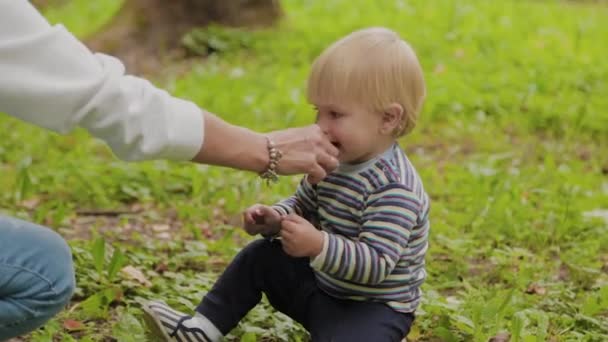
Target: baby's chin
<point x="342" y="157"/>
<point x="345" y="159"/>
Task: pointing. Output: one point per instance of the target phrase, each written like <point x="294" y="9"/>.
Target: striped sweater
<point x="375" y="219"/>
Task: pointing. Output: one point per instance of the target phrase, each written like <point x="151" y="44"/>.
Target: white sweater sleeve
<point x="50" y="79"/>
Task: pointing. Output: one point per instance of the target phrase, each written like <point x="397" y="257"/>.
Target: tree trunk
<point x="146" y="31"/>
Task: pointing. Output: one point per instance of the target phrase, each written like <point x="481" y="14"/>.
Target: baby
<point x="348" y="260"/>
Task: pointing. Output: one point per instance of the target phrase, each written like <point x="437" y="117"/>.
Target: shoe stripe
<point x="168" y="311"/>
<point x="192" y="330"/>
<point x="167" y="316"/>
<point x="165" y="307"/>
<point x="193" y="336"/>
<point x="196" y="330"/>
<point x="173" y="321"/>
<point x="168" y="326"/>
<point x="201" y="336"/>
<point x="167" y="319"/>
<point x="184" y="335"/>
<point x="196" y="337"/>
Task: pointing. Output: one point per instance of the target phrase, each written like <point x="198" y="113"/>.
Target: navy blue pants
<point x="289" y="283"/>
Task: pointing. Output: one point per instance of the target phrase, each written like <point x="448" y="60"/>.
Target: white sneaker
<point x="168" y="325"/>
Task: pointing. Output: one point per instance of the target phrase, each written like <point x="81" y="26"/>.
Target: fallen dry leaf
<point x="72" y="325"/>
<point x="206" y="230"/>
<point x="161" y="268"/>
<point x="459" y="53"/>
<point x="160" y="227"/>
<point x="501" y="337"/>
<point x="31" y="203"/>
<point x="133" y="273"/>
<point x="439" y="69"/>
<point x="536" y="289"/>
<point x="163" y="236"/>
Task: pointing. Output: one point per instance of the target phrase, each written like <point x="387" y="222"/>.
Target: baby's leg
<point x="262" y="267"/>
<point x="337" y="320"/>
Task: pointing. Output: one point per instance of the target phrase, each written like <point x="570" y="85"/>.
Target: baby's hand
<point x="261" y="219"/>
<point x="300" y="238"/>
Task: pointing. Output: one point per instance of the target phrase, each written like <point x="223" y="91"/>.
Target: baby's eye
<point x="334" y="114"/>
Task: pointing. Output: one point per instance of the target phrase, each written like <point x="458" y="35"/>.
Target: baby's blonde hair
<point x="373" y="68"/>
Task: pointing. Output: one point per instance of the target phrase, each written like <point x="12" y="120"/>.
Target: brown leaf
<point x="163" y="236"/>
<point x="536" y="289"/>
<point x="206" y="230"/>
<point x="584" y="153"/>
<point x="160" y="227"/>
<point x="439" y="69"/>
<point x="103" y="212"/>
<point x="31" y="203"/>
<point x="118" y="295"/>
<point x="72" y="325"/>
<point x="564" y="273"/>
<point x="217" y="263"/>
<point x="133" y="273"/>
<point x="459" y="53"/>
<point x="161" y="268"/>
<point x="501" y="337"/>
<point x="442" y="257"/>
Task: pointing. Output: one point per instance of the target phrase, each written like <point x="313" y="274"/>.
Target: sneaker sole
<point x="155" y="326"/>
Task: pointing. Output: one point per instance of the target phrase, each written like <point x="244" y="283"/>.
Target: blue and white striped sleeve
<point x="390" y="214"/>
<point x="302" y="203"/>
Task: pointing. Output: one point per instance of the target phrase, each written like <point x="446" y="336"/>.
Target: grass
<point x="511" y="146"/>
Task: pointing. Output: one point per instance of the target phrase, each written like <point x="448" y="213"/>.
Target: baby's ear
<point x="391" y="118"/>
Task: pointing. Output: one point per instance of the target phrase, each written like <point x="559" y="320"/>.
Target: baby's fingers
<point x="248" y="218"/>
<point x="269" y="212"/>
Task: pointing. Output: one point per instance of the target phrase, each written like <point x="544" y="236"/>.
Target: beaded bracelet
<point x="270" y="174"/>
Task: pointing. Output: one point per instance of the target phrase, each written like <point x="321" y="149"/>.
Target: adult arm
<point x="50" y="79"/>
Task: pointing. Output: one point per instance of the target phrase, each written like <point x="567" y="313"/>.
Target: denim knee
<point x="36" y="276"/>
<point x="62" y="276"/>
<point x="50" y="259"/>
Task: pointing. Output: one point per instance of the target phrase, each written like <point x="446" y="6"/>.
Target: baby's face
<point x="353" y="130"/>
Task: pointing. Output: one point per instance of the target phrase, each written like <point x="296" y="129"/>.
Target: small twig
<point x="108" y="212"/>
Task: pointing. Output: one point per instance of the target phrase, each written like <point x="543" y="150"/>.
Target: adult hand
<point x="305" y="150"/>
<point x="261" y="219"/>
<point x="300" y="238"/>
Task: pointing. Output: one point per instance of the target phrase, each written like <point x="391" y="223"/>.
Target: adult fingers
<point x="305" y="150"/>
<point x="316" y="174"/>
<point x="326" y="161"/>
<point x="323" y="142"/>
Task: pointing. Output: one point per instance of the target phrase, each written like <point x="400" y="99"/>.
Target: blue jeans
<point x="36" y="276"/>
